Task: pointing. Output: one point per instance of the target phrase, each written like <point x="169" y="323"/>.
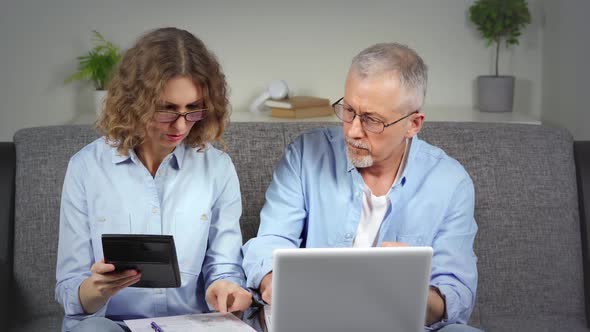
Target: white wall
<point x="308" y="43"/>
<point x="565" y="66"/>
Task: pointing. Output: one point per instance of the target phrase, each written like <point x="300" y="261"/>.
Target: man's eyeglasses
<point x="369" y="123"/>
<point x="172" y="116"/>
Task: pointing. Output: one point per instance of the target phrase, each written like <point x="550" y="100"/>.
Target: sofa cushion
<point x="530" y="324"/>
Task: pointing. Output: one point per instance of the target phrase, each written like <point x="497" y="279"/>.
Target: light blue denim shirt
<point x="314" y="200"/>
<point x="194" y="196"/>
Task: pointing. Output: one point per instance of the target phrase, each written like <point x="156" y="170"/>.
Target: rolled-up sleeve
<point x="454" y="264"/>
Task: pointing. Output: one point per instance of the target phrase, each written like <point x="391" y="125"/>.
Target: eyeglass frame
<point x="179" y="114"/>
<point x="385" y="125"/>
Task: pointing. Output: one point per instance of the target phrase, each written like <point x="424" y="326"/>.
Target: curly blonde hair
<point x="140" y="79"/>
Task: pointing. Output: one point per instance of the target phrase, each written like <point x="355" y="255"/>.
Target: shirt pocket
<point x="413" y="240"/>
<point x="191" y="231"/>
<point x="111" y="223"/>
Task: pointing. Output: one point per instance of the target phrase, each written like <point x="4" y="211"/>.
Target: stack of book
<point x="299" y="107"/>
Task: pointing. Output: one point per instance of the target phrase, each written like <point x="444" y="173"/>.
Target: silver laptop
<point x="350" y="289"/>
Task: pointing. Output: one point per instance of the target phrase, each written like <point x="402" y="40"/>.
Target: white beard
<point x="358" y="161"/>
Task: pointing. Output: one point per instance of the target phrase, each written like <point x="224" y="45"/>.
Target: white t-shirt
<point x="374" y="209"/>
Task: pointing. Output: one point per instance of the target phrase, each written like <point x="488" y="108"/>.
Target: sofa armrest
<point x="5" y="281"/>
<point x="7" y="175"/>
<point x="582" y="159"/>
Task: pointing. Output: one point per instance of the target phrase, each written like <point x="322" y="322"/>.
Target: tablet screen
<point x="153" y="255"/>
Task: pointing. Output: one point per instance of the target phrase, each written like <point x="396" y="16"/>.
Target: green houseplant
<point x="97" y="67"/>
<point x="497" y="21"/>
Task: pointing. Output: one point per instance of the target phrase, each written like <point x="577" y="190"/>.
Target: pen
<point x="156" y="327"/>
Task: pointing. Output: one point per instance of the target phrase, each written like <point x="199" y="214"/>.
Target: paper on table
<point x="213" y="322"/>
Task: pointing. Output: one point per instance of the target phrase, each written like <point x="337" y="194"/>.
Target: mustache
<point x="357" y="144"/>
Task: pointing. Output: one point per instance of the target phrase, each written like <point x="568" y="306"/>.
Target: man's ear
<point x="415" y="124"/>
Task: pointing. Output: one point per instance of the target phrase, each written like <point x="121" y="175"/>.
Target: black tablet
<point x="153" y="255"/>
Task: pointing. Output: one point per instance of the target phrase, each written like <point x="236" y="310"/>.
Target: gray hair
<point x="385" y="58"/>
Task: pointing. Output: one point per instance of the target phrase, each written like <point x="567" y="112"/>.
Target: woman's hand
<point x="226" y="296"/>
<point x="102" y="284"/>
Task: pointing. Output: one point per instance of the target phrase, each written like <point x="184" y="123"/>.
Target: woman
<point x="154" y="172"/>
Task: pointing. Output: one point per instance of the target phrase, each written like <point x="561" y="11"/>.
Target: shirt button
<point x="154" y="210"/>
<point x="348" y="236"/>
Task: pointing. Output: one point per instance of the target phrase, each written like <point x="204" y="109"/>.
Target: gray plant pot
<point x="495" y="93"/>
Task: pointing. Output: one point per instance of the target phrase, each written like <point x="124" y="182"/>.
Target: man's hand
<point x="103" y="283"/>
<point x="226" y="296"/>
<point x="435" y="306"/>
<point x="266" y="288"/>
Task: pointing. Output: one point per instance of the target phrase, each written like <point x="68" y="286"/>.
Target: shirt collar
<point x="407" y="158"/>
<point x="401" y="172"/>
<point x="177" y="156"/>
<point x="118" y="157"/>
<point x="349" y="165"/>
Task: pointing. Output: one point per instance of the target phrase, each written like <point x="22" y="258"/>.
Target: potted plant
<point x="498" y="20"/>
<point x="97" y="66"/>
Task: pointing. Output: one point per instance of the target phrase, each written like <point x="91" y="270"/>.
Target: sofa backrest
<point x="528" y="243"/>
<point x="42" y="156"/>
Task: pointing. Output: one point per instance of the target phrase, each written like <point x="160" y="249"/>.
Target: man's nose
<point x="356" y="128"/>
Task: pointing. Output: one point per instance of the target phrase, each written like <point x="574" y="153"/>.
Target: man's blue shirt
<point x="314" y="200"/>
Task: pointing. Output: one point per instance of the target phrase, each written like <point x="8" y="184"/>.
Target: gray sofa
<point x="532" y="240"/>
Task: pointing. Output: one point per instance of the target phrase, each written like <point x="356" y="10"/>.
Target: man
<point x="374" y="183"/>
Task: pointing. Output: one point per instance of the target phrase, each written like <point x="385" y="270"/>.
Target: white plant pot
<point x="99" y="100"/>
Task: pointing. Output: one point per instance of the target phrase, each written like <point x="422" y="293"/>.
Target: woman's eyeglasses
<point x="172" y="116"/>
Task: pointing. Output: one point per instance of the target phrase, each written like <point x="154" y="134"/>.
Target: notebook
<point x="350" y="289"/>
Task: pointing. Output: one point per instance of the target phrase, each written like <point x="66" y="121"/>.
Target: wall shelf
<point x="447" y="113"/>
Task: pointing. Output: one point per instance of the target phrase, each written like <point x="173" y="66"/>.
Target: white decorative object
<point x="99" y="100"/>
<point x="277" y="89"/>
